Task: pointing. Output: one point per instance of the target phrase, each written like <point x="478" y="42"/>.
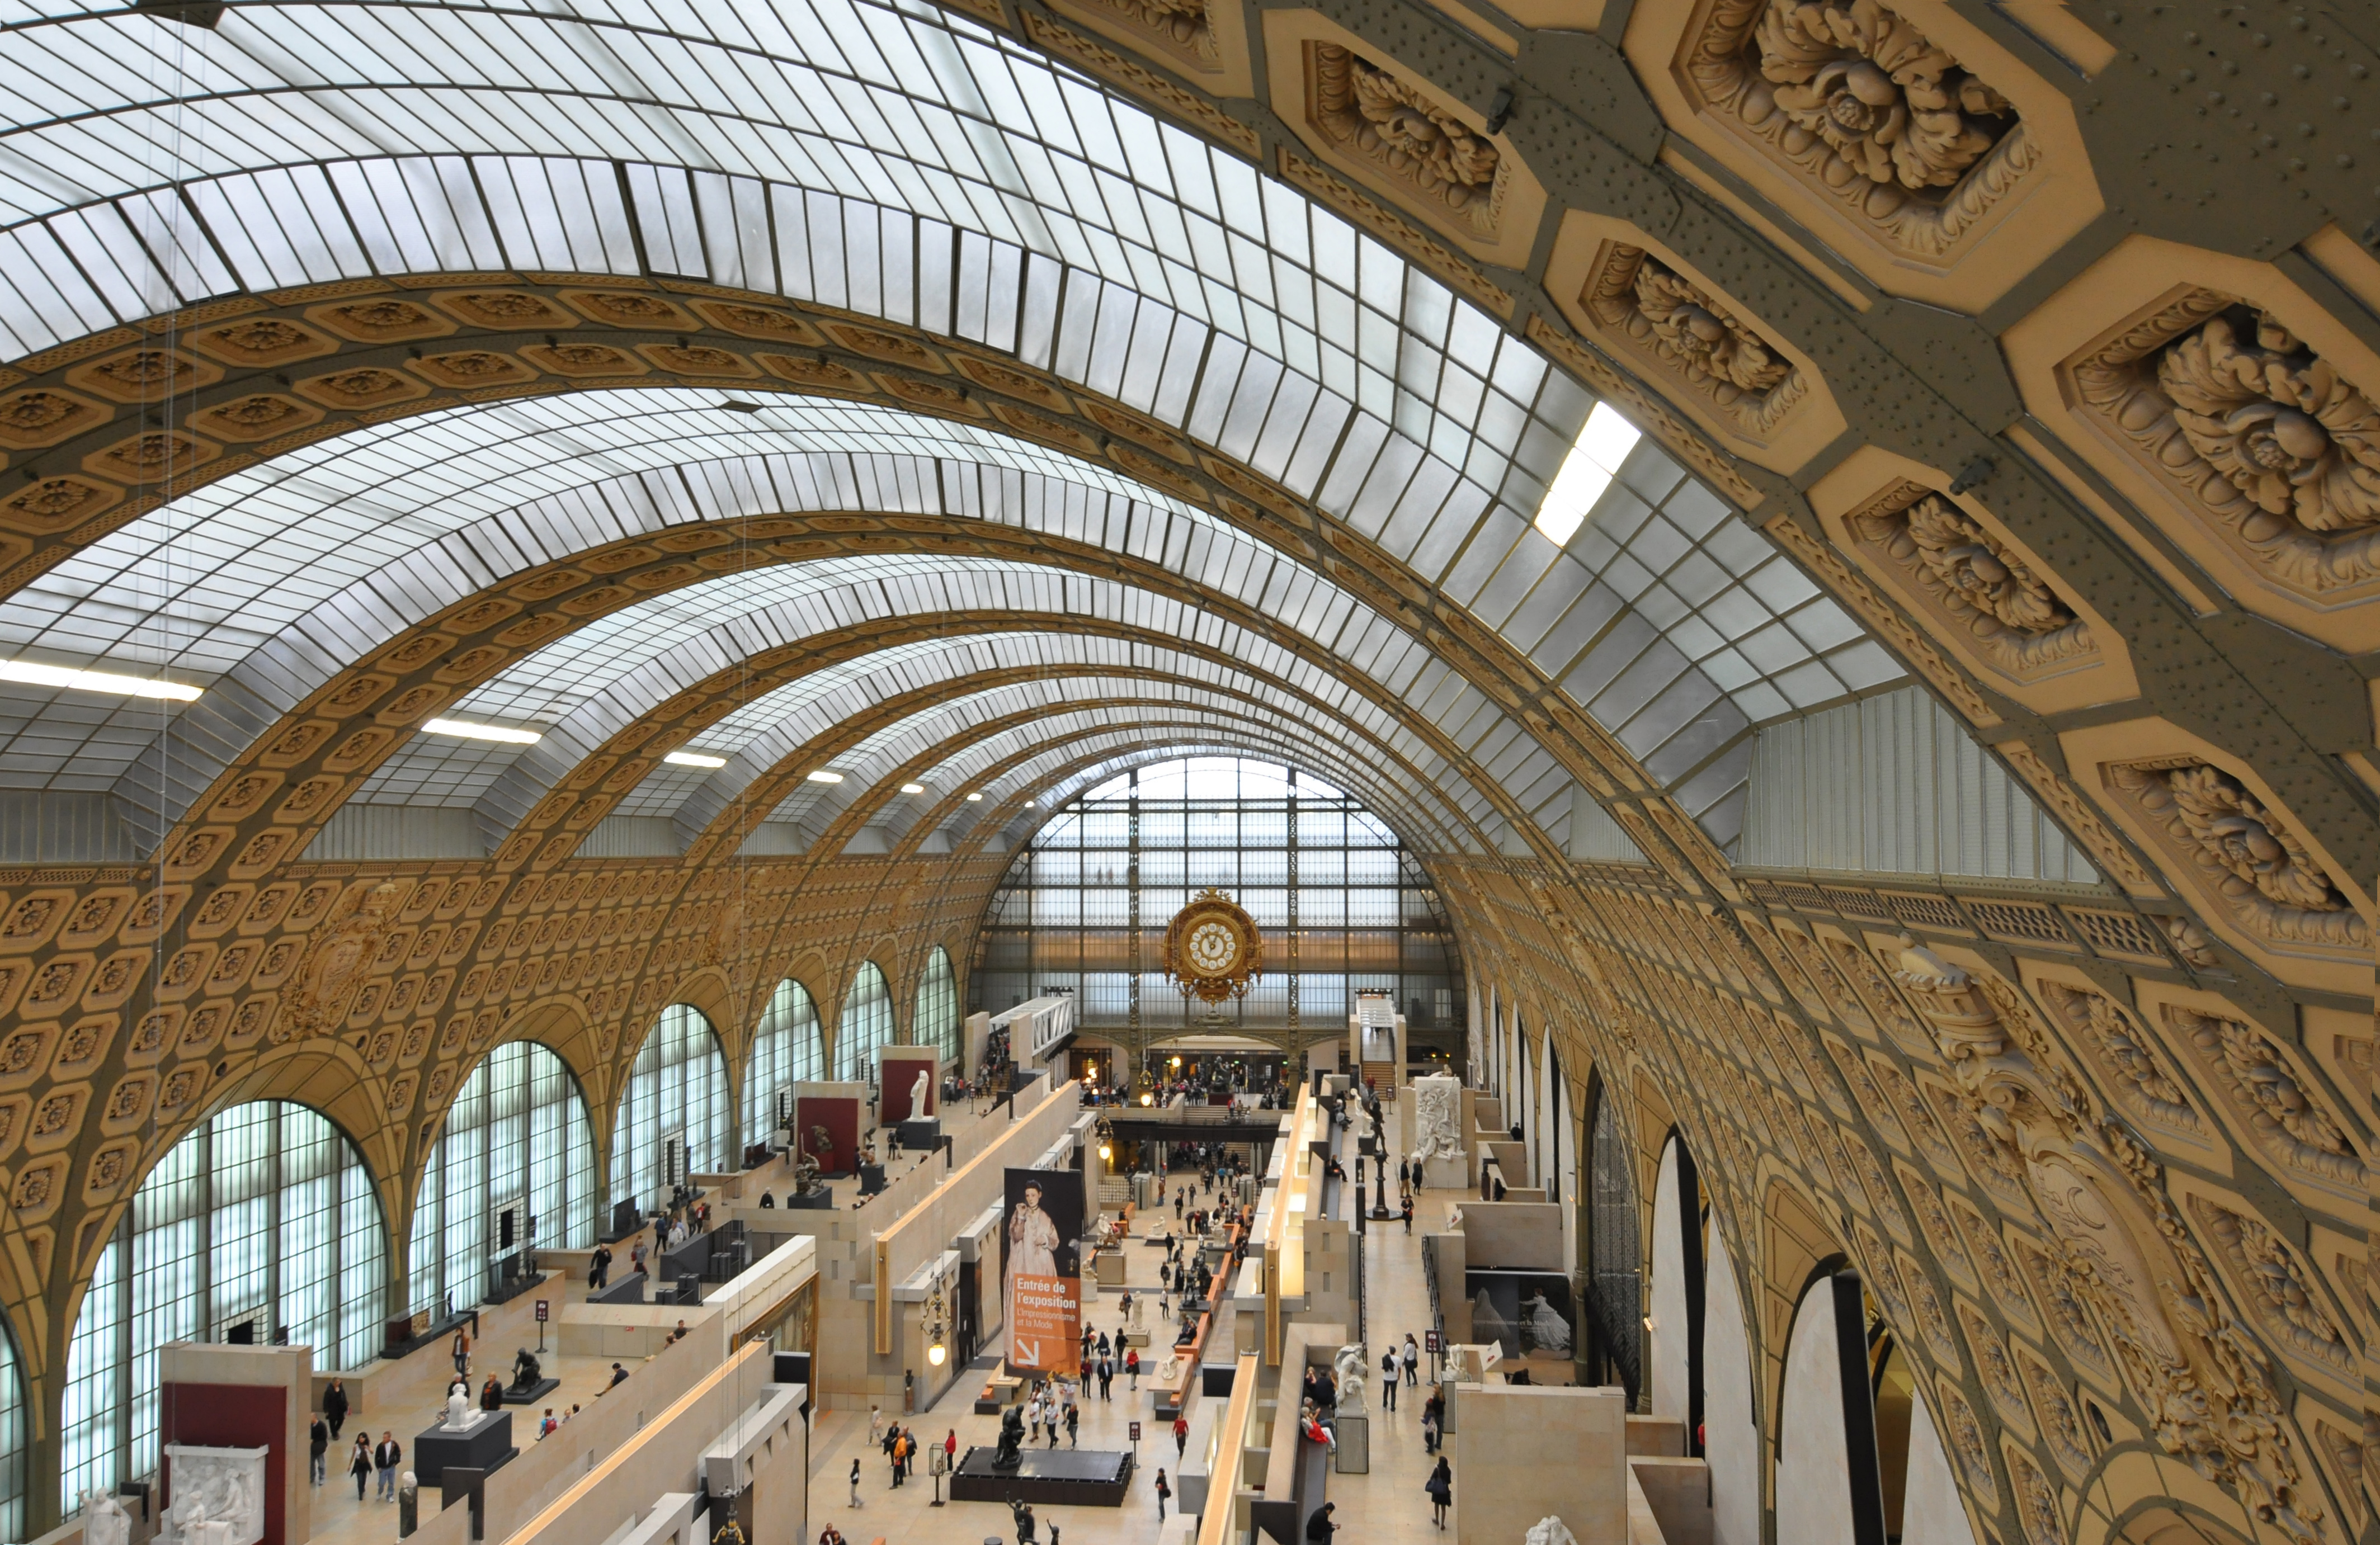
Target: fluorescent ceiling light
<point x="94" y="680"/>
<point x="913" y="788"/>
<point x="1589" y="468"/>
<point x="694" y="759"/>
<point x="819" y="775"/>
<point x="480" y="731"/>
<point x="974" y="799"/>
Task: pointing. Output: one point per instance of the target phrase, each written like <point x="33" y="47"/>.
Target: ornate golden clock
<point x="1213" y="950"/>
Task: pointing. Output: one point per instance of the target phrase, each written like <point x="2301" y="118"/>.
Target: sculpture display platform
<point x="531" y="1383"/>
<point x="482" y="1442"/>
<point x="217" y="1495"/>
<point x="1070" y="1477"/>
<point x="919" y="1134"/>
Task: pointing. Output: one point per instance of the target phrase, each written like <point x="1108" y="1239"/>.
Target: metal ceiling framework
<point x="1669" y="617"/>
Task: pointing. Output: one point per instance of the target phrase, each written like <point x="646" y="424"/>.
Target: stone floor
<point x="1384" y="1508"/>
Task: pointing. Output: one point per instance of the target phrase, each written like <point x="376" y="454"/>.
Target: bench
<point x="999" y="1391"/>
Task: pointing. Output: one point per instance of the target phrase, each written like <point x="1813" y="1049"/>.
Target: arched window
<point x="677" y="1090"/>
<point x="516" y="1132"/>
<point x="1613" y="1252"/>
<point x="260" y="1223"/>
<point x="866" y="1023"/>
<point x="785" y="1050"/>
<point x="12" y="1440"/>
<point x="936" y="1023"/>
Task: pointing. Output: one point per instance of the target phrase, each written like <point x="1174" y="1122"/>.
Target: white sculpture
<point x="1549" y="1530"/>
<point x="458" y="1412"/>
<point x="218" y="1495"/>
<point x="917" y="1094"/>
<point x="1349" y="1370"/>
<point x="1438" y="1102"/>
<point x="105" y="1522"/>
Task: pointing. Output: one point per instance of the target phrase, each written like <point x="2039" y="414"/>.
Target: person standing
<point x="1406" y="1208"/>
<point x="318" y="1446"/>
<point x="1389" y="1379"/>
<point x="1073" y="1421"/>
<point x="855" y="1481"/>
<point x="462" y="1350"/>
<point x="1181" y="1436"/>
<point x="1163" y="1491"/>
<point x="1441" y="1487"/>
<point x="951" y="1450"/>
<point x="599" y="1269"/>
<point x="386" y="1456"/>
<point x="1413" y="1362"/>
<point x="334" y="1407"/>
<point x="1132" y="1367"/>
<point x="1107" y="1377"/>
<point x="360" y="1464"/>
<point x="1433" y="1421"/>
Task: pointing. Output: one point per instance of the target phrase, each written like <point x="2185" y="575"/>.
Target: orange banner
<point x="1046" y="1335"/>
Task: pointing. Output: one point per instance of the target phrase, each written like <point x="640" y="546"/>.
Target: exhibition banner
<point x="1041" y="1268"/>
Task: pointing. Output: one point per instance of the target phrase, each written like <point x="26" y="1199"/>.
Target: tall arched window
<point x="12" y="1440"/>
<point x="1614" y="1254"/>
<point x="263" y="1220"/>
<point x="866" y="1024"/>
<point x="936" y="1023"/>
<point x="516" y="1132"/>
<point x="677" y="1090"/>
<point x="785" y="1050"/>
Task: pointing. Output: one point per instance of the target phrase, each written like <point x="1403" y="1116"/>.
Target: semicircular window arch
<point x="676" y="1094"/>
<point x="935" y="1022"/>
<point x="865" y="1025"/>
<point x="786" y="1050"/>
<point x="263" y="1220"/>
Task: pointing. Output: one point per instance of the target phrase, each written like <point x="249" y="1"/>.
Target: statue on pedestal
<point x="919" y="1093"/>
<point x="1349" y="1370"/>
<point x="105" y="1522"/>
<point x="458" y="1411"/>
<point x="821" y="1145"/>
<point x="1437" y="1104"/>
<point x="409" y="1506"/>
<point x="527" y="1370"/>
<point x="1549" y="1530"/>
<point x="1011" y="1453"/>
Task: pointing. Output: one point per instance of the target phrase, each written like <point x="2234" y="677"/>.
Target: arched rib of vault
<point x="767" y="729"/>
<point x="666" y="644"/>
<point x="895" y="731"/>
<point x="948" y="741"/>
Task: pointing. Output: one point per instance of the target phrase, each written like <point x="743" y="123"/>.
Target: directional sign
<point x="1026" y="1354"/>
<point x="1430" y="1342"/>
<point x="1136" y="1432"/>
<point x="541" y="1311"/>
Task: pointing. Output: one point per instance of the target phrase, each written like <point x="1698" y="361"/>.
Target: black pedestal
<point x="920" y="1135"/>
<point x="820" y="1197"/>
<point x="1078" y="1477"/>
<point x="871" y="1179"/>
<point x="516" y="1395"/>
<point x="484" y="1445"/>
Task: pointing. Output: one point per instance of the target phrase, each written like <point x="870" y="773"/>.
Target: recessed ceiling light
<point x="974" y="799"/>
<point x="819" y="775"/>
<point x="913" y="788"/>
<point x="694" y="759"/>
<point x="480" y="731"/>
<point x="1028" y="804"/>
<point x="94" y="680"/>
<point x="1603" y="443"/>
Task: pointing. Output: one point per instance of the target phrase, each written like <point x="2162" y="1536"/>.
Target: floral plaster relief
<point x="2254" y="871"/>
<point x="2242" y="420"/>
<point x="1398" y="137"/>
<point x="1649" y="308"/>
<point x="1943" y="165"/>
<point x="1980" y="593"/>
<point x="1200" y="41"/>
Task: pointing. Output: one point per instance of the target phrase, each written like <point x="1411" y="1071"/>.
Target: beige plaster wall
<point x="1522" y="1452"/>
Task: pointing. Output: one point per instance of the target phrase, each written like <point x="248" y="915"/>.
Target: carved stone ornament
<point x="1380" y="120"/>
<point x="2124" y="1052"/>
<point x="2248" y="855"/>
<point x="1951" y="566"/>
<point x="1181" y="31"/>
<point x="2257" y="435"/>
<point x="1863" y="107"/>
<point x="2288" y="1120"/>
<point x="218" y="1495"/>
<point x="2121" y="1245"/>
<point x="2268" y="1277"/>
<point x="336" y="961"/>
<point x="1692" y="339"/>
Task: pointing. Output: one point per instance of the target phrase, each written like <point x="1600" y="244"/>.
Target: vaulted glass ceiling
<point x="893" y="161"/>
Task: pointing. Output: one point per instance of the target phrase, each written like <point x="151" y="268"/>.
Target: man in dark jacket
<point x="386" y="1457"/>
<point x="318" y="1444"/>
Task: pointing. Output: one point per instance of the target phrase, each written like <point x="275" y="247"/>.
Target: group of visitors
<point x="1099" y="1358"/>
<point x="901" y="1447"/>
<point x="364" y="1460"/>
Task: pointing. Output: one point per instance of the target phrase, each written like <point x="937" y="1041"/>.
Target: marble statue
<point x="1350" y="1370"/>
<point x="458" y="1412"/>
<point x="409" y="1506"/>
<point x="1549" y="1530"/>
<point x="218" y="1495"/>
<point x="1010" y="1455"/>
<point x="105" y="1522"/>
<point x="526" y="1370"/>
<point x="919" y="1092"/>
<point x="1438" y="1105"/>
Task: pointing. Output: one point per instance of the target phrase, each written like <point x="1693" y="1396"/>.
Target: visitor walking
<point x="1132" y="1367"/>
<point x="1073" y="1420"/>
<point x="318" y="1446"/>
<point x="1433" y="1422"/>
<point x="1441" y="1487"/>
<point x="1389" y="1379"/>
<point x="334" y="1407"/>
<point x="386" y="1456"/>
<point x="1413" y="1360"/>
<point x="1107" y="1377"/>
<point x="462" y="1351"/>
<point x="599" y="1268"/>
<point x="1406" y="1208"/>
<point x="855" y="1481"/>
<point x="360" y="1464"/>
<point x="1181" y="1436"/>
<point x="1163" y="1491"/>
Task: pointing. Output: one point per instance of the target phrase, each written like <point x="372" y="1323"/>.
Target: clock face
<point x="1213" y="947"/>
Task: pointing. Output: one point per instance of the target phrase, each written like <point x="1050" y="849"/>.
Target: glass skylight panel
<point x="1603" y="445"/>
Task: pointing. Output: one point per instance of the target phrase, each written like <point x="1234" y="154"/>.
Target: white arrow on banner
<point x="1028" y="1354"/>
